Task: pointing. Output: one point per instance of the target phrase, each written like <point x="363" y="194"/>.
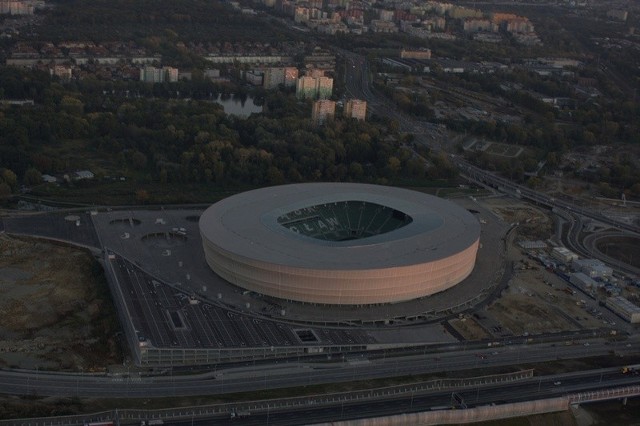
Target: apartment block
<point x="322" y="110"/>
<point x="170" y="74"/>
<point x="309" y="87"/>
<point x="415" y="54"/>
<point x="356" y="108"/>
<point x="61" y="71"/>
<point x="275" y="76"/>
<point x="151" y="74"/>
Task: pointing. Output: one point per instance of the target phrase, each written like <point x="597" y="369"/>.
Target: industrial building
<point x="623" y="307"/>
<point x="583" y="281"/>
<point x="593" y="268"/>
<point x="564" y="255"/>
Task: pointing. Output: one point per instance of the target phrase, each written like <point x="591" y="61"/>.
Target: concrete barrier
<point x="470" y="415"/>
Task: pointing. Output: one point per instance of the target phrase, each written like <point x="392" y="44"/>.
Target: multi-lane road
<point x="262" y="377"/>
<point x="522" y="191"/>
<point x="532" y="389"/>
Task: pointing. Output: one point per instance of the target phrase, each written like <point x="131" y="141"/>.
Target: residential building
<point x="306" y="87"/>
<point x="320" y="59"/>
<point x="415" y="54"/>
<point x="322" y="111"/>
<point x="290" y="76"/>
<point x="212" y="73"/>
<point x="434" y="23"/>
<point x="14" y="7"/>
<point x="61" y="71"/>
<point x="248" y="59"/>
<point x="150" y="74"/>
<point x="519" y="25"/>
<point x="386" y="15"/>
<point x="356" y="108"/>
<point x="325" y="87"/>
<point x="253" y="77"/>
<point x="309" y="87"/>
<point x="276" y="76"/>
<point x="380" y="26"/>
<point x="473" y="25"/>
<point x="170" y="74"/>
<point x="315" y="73"/>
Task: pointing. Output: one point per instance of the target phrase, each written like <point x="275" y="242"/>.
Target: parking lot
<point x="165" y="317"/>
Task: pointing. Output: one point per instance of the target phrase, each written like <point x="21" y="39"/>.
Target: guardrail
<point x="602" y="395"/>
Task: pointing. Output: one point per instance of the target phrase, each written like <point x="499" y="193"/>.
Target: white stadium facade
<point x="340" y="243"/>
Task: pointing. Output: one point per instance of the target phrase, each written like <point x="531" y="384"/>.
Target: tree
<point x="275" y="176"/>
<point x="142" y="196"/>
<point x="138" y="160"/>
<point x="72" y="105"/>
<point x="10" y="178"/>
<point x="534" y="182"/>
<point x="393" y="166"/>
<point x="32" y="176"/>
<point x="5" y="190"/>
<point x="356" y="171"/>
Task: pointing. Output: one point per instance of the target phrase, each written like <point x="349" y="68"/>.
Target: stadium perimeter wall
<point x="346" y="287"/>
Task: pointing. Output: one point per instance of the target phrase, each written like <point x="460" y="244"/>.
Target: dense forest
<point x="164" y="140"/>
<point x="117" y="20"/>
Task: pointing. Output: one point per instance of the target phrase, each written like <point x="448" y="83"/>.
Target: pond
<point x="238" y="106"/>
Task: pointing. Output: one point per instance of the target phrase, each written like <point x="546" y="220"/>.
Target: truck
<point x="631" y="369"/>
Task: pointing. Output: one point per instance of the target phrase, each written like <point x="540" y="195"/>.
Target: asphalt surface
<point x="75" y="227"/>
<point x="168" y="318"/>
<point x="253" y="378"/>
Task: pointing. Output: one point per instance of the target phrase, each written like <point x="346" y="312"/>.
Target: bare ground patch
<point x="533" y="223"/>
<point x="523" y="316"/>
<point x="56" y="308"/>
<point x="469" y="329"/>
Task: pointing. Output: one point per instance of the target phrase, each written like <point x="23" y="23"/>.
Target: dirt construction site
<point x="535" y="300"/>
<point x="56" y="310"/>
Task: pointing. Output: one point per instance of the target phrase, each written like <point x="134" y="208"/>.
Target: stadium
<point x="340" y="243"/>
